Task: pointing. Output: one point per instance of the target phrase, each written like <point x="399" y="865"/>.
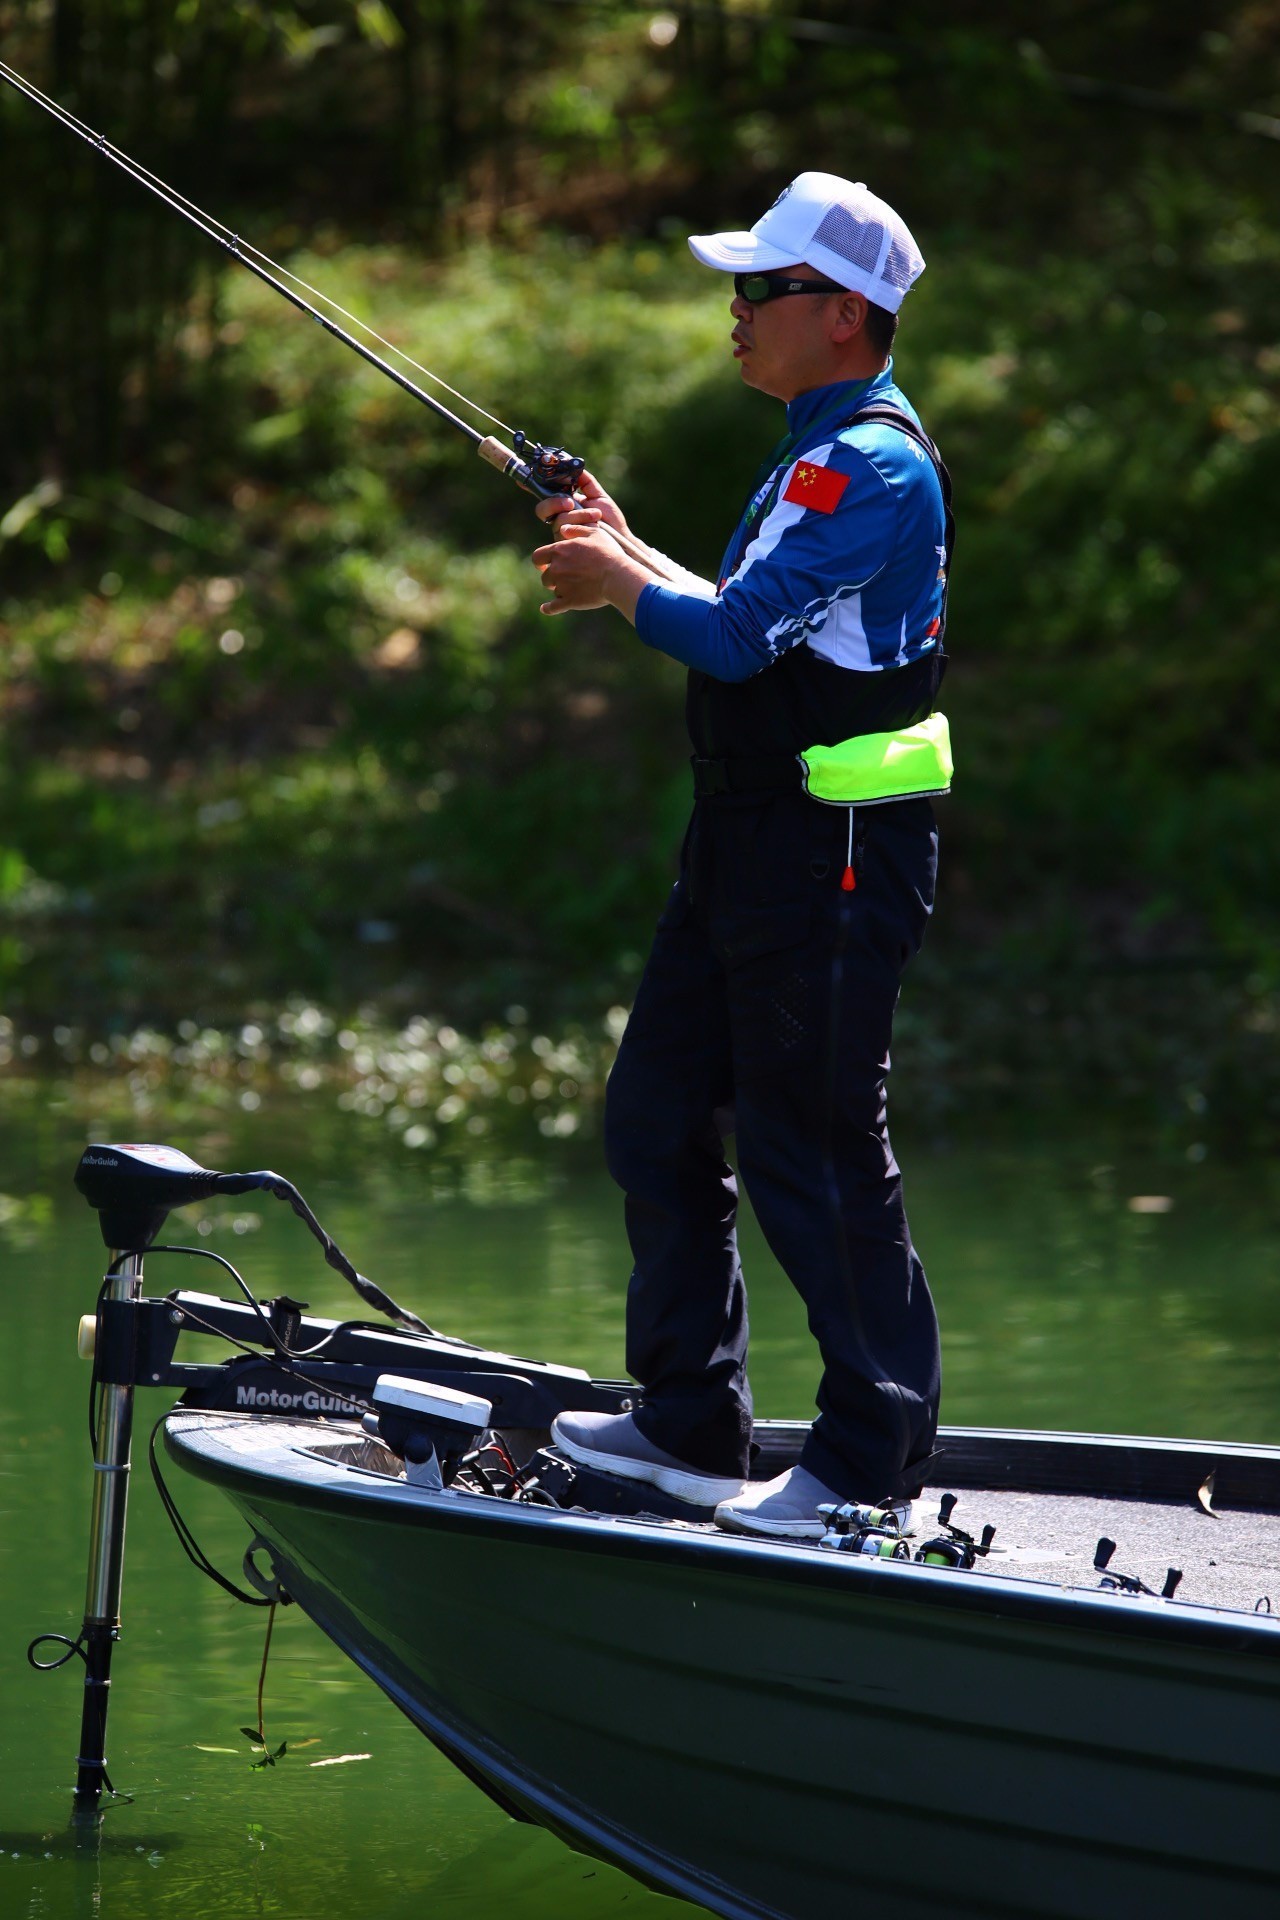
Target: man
<point x="805" y="885"/>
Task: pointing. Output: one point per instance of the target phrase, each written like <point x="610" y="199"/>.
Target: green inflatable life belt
<point x="905" y="765"/>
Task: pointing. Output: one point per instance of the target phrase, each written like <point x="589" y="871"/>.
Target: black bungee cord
<point x="265" y="1181"/>
<point x="543" y="471"/>
<point x="186" y="1538"/>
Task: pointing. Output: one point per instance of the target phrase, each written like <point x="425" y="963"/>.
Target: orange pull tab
<point x="849" y="878"/>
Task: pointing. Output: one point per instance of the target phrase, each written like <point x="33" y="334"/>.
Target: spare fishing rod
<point x="543" y="471"/>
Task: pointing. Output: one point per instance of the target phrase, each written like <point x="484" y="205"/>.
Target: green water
<point x="1061" y="1306"/>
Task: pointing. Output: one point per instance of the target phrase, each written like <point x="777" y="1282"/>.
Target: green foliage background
<point x="394" y="779"/>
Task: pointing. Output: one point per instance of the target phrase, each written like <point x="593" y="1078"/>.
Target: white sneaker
<point x="787" y="1508"/>
<point x="612" y="1443"/>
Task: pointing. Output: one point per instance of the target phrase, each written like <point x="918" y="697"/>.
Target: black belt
<point x="747" y="773"/>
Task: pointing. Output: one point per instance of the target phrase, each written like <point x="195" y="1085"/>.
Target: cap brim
<point x="738" y="253"/>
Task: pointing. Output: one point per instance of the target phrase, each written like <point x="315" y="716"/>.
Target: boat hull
<point x="784" y="1733"/>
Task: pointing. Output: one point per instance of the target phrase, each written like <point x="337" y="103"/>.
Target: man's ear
<point x="851" y="316"/>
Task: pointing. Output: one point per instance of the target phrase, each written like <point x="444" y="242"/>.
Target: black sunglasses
<point x="759" y="287"/>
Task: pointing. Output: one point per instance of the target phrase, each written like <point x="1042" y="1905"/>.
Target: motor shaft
<point x="112" y="1446"/>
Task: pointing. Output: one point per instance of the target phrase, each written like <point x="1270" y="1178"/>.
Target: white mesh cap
<point x="839" y="227"/>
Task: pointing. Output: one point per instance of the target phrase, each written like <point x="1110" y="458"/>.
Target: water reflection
<point x="1061" y="1305"/>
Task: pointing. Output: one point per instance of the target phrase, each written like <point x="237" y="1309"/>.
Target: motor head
<point x="135" y="1188"/>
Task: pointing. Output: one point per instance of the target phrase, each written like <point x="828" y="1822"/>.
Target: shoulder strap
<point x="883" y="416"/>
<point x="893" y="417"/>
<point x="878" y="415"/>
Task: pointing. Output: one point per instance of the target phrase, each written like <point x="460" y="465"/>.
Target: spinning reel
<point x="873" y="1531"/>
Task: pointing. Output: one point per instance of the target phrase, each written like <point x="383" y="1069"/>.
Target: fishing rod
<point x="543" y="471"/>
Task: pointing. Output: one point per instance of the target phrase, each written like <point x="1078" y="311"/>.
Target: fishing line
<point x="215" y="230"/>
<point x="373" y="333"/>
<point x="227" y="236"/>
<point x="544" y="471"/>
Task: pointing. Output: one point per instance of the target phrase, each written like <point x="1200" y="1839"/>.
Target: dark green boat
<point x="1082" y="1721"/>
<point x="788" y="1730"/>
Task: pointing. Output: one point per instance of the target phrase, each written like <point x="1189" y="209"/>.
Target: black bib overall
<point x="765" y="1008"/>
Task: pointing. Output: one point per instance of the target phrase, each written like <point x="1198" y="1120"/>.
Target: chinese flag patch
<point x="816" y="487"/>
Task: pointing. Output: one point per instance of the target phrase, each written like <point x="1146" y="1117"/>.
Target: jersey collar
<point x="840" y="396"/>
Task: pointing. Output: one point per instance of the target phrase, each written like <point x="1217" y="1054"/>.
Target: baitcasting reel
<point x="1129" y="1582"/>
<point x="553" y="467"/>
<point x="953" y="1547"/>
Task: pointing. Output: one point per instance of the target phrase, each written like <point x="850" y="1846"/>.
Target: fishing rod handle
<point x="497" y="455"/>
<point x="508" y="463"/>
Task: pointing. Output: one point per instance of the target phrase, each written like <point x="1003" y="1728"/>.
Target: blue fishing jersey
<point x="840" y="551"/>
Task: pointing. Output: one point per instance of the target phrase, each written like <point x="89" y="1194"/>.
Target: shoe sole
<point x="788" y="1529"/>
<point x="769" y="1529"/>
<point x="680" y="1483"/>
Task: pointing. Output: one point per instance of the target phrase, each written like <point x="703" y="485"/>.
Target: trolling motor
<point x="435" y="1411"/>
<point x="134" y="1188"/>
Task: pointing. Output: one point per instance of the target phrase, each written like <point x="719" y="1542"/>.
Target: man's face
<point x="784" y="346"/>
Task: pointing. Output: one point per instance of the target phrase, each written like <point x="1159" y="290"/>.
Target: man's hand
<point x="588" y="566"/>
<point x="576" y="569"/>
<point x="567" y="508"/>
